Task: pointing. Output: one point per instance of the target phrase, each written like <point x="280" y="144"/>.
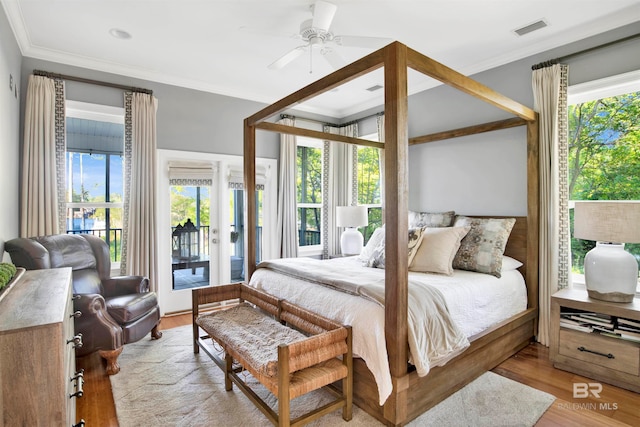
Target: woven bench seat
<point x="290" y="360"/>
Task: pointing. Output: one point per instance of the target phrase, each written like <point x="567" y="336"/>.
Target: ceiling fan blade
<point x="361" y="41"/>
<point x="286" y="58"/>
<point x="333" y="58"/>
<point x="323" y="13"/>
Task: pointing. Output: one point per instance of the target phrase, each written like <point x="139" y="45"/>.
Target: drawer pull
<point x="76" y="314"/>
<point x="76" y="297"/>
<point x="76" y="340"/>
<point x="608" y="356"/>
<point x="80" y="424"/>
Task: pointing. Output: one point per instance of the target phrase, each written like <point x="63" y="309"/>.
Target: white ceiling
<point x="225" y="46"/>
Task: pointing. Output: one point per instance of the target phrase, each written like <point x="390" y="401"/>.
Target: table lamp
<point x="610" y="272"/>
<point x="351" y="217"/>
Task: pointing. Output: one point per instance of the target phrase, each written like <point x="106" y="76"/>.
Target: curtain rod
<point x="582" y="52"/>
<point x="289" y="116"/>
<point x="90" y="81"/>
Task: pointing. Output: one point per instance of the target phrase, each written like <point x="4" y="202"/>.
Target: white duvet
<point x="474" y="301"/>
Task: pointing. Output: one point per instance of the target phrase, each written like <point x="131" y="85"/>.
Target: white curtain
<point x="43" y="159"/>
<point x="340" y="187"/>
<point x="550" y="101"/>
<point x="287" y="225"/>
<point x="139" y="229"/>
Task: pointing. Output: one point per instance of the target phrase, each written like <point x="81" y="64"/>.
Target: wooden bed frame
<point x="413" y="395"/>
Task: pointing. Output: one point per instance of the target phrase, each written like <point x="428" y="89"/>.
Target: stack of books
<point x="628" y="329"/>
<point x="587" y="322"/>
<point x="615" y="327"/>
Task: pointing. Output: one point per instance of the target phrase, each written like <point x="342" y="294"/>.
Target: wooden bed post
<point x="396" y="224"/>
<point x="250" y="222"/>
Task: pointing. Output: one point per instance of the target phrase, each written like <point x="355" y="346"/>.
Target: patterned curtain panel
<point x="43" y="159"/>
<point x="339" y="184"/>
<point x="550" y="101"/>
<point x="287" y="223"/>
<point x="139" y="241"/>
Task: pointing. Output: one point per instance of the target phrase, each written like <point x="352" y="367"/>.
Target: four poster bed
<point x="411" y="392"/>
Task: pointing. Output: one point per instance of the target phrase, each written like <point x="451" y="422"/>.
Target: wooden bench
<point x="289" y="350"/>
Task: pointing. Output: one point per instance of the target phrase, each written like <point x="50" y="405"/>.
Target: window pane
<point x="309" y="178"/>
<point x="105" y="223"/>
<point x="309" y="226"/>
<point x="86" y="177"/>
<point x="604" y="159"/>
<point x="236" y="221"/>
<point x="115" y="178"/>
<point x="369" y="176"/>
<point x="190" y="247"/>
<point x="375" y="221"/>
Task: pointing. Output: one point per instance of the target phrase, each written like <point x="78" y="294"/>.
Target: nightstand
<point x="591" y="354"/>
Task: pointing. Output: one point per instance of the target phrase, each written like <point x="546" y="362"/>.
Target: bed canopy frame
<point x="412" y="395"/>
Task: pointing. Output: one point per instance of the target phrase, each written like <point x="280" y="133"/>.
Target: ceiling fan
<point x="316" y="33"/>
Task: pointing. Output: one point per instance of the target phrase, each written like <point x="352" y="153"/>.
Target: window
<point x="369" y="185"/>
<point x="94" y="172"/>
<point x="309" y="191"/>
<point x="604" y="150"/>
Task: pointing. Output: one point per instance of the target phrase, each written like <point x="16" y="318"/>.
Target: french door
<point x="201" y="231"/>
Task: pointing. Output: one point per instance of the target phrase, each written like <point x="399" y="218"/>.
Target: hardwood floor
<point x="531" y="366"/>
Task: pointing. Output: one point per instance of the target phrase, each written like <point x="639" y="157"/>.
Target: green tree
<point x="369" y="186"/>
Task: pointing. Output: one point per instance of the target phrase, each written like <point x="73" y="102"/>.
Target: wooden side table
<point x="590" y="354"/>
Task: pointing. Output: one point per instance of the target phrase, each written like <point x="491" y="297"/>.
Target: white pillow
<point x="509" y="263"/>
<point x="437" y="250"/>
<point x="372" y="244"/>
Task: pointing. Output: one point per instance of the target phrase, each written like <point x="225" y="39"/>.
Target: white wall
<point x="469" y="176"/>
<point x="10" y="60"/>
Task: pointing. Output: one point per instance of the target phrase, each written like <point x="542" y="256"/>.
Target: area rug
<point x="163" y="383"/>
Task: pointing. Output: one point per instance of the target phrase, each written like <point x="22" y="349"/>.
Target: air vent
<point x="374" y="88"/>
<point x="531" y="27"/>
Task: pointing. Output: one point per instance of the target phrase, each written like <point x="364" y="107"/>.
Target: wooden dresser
<point x="38" y="381"/>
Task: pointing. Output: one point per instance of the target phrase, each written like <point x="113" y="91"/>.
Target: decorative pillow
<point x="509" y="263"/>
<point x="377" y="259"/>
<point x="431" y="219"/>
<point x="437" y="250"/>
<point x="372" y="244"/>
<point x="482" y="248"/>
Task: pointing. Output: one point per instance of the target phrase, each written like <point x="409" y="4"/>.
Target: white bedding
<point x="475" y="302"/>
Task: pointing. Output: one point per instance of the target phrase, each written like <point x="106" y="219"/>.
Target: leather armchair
<point x="114" y="310"/>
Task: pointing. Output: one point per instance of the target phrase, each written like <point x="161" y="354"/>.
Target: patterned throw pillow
<point x="377" y="259"/>
<point x="482" y="248"/>
<point x="431" y="219"/>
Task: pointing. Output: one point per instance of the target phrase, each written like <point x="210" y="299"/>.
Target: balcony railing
<point x="112" y="236"/>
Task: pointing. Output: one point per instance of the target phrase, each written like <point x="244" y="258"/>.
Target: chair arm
<point x="125" y="285"/>
<point x="99" y="330"/>
<point x="28" y="253"/>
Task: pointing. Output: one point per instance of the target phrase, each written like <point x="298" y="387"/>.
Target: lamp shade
<point x="351" y="216"/>
<point x="607" y="221"/>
